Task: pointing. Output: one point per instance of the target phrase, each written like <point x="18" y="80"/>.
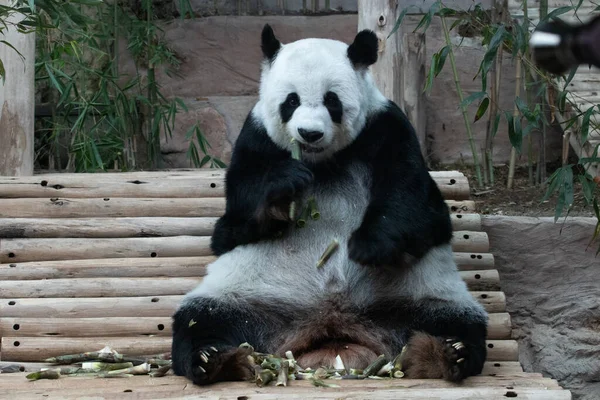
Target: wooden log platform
<point x="89" y="260"/>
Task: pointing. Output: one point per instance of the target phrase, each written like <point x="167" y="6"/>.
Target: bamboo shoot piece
<point x="296" y="156"/>
<point x="328" y="253"/>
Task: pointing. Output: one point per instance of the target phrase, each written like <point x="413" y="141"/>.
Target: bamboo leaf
<point x="431" y="75"/>
<point x="427" y="18"/>
<point x="2" y="70"/>
<point x="483" y="106"/>
<point x="587" y="186"/>
<point x="471" y="98"/>
<point x="496" y="124"/>
<point x="554" y="180"/>
<point x="405" y="10"/>
<point x="585" y="124"/>
<point x="568" y="185"/>
<point x="441" y="59"/>
<point x="555" y="13"/>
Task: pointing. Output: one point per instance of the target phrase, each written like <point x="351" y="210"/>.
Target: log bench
<point x="90" y="260"/>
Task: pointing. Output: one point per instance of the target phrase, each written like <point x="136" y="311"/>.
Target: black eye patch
<point x="334" y="106"/>
<point x="287" y="108"/>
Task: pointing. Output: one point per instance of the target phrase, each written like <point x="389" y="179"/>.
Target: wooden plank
<point x="90" y="307"/>
<point x="19" y="348"/>
<point x="143" y="306"/>
<point x="191" y="184"/>
<point x="188" y="391"/>
<point x="19" y="250"/>
<point x="161" y="266"/>
<point x="508" y="369"/>
<point x="23" y="348"/>
<point x="136" y="207"/>
<point x="97" y="287"/>
<point x="472" y="261"/>
<point x="107" y="267"/>
<point x="22" y="250"/>
<point x="38" y="228"/>
<point x="142" y="383"/>
<point x="499" y="326"/>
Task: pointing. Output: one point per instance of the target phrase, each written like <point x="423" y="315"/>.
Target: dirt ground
<point x="523" y="199"/>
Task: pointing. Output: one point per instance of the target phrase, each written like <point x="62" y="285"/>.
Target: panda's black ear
<point x="363" y="51"/>
<point x="269" y="43"/>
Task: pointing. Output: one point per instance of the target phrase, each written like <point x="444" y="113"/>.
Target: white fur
<point x="286" y="272"/>
<point x="311" y="68"/>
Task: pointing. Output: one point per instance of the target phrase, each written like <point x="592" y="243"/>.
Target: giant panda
<point x="392" y="281"/>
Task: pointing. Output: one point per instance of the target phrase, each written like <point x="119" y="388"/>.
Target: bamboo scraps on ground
<point x="106" y="363"/>
<point x="270" y="367"/>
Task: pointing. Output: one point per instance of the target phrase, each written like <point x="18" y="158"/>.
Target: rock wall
<point x="552" y="283"/>
<point x="221" y="60"/>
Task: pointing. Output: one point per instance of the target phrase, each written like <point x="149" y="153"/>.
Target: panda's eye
<point x="331" y="99"/>
<point x="293" y="100"/>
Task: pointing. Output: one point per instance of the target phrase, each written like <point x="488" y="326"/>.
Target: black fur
<point x="363" y="51"/>
<point x="334" y="106"/>
<point x="269" y="43"/>
<point x="407" y="213"/>
<point x="259" y="176"/>
<point x="206" y="325"/>
<point x="287" y="108"/>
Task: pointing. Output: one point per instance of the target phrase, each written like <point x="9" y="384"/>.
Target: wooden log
<point x="472" y="261"/>
<point x="154" y="286"/>
<point x="24" y="348"/>
<point x="154" y="267"/>
<point x="467" y="241"/>
<point x="115" y="391"/>
<point x="141" y="383"/>
<point x="97" y="287"/>
<point x="481" y="280"/>
<point x="17" y="96"/>
<point x="87" y="327"/>
<point x="111" y="207"/>
<point x="143" y="306"/>
<point x="106" y="268"/>
<point x="466" y="222"/>
<point x="380" y="17"/>
<point x="37" y="228"/>
<point x="108" y="227"/>
<point x="171" y="173"/>
<point x="412" y="81"/>
<point x="136" y="207"/>
<point x="90" y="307"/>
<point x="21" y="250"/>
<point x="163" y="185"/>
<point x="499" y="326"/>
<point x="493" y="302"/>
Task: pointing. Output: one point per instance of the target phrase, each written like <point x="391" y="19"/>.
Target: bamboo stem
<point x="513" y="150"/>
<point x="460" y="98"/>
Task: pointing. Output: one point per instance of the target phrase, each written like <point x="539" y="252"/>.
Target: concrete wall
<point x="221" y="59"/>
<point x="552" y="283"/>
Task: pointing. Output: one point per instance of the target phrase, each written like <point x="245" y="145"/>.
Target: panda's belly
<point x="287" y="267"/>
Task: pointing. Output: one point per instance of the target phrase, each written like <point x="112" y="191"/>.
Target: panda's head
<point x="317" y="91"/>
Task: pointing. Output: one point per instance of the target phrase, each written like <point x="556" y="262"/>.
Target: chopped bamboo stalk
<point x="282" y="377"/>
<point x="141" y="369"/>
<point x="263" y="376"/>
<point x="296" y="155"/>
<point x="301" y="222"/>
<point x="314" y="212"/>
<point x="375" y="366"/>
<point x="328" y="253"/>
<point x="161" y="371"/>
<point x="46" y="374"/>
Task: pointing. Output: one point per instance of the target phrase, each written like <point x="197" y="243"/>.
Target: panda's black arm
<point x="260" y="178"/>
<point x="407" y="213"/>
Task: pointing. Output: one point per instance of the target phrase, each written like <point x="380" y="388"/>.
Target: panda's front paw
<point x="287" y="184"/>
<point x="210" y="365"/>
<point x="373" y="248"/>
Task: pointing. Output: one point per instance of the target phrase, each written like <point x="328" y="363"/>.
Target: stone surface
<point x="221" y="57"/>
<point x="551" y="280"/>
<point x="174" y="149"/>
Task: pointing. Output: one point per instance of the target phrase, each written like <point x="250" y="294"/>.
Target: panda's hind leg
<point x="437" y="357"/>
<point x="207" y="335"/>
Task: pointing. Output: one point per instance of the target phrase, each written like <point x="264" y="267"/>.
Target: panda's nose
<point x="310" y="136"/>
